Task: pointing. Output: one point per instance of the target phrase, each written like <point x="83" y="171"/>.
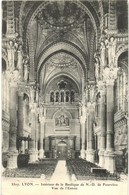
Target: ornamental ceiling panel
<point x="61" y="14"/>
<point x="61" y="63"/>
<point x="61" y="46"/>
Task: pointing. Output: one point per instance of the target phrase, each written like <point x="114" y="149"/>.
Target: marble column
<point x="13" y="153"/>
<point x="90" y="153"/>
<point x="36" y="137"/>
<point x="102" y="123"/>
<point x="41" y="137"/>
<point x="109" y="153"/>
<point x="82" y="122"/>
<point x="33" y="129"/>
<point x="20" y="116"/>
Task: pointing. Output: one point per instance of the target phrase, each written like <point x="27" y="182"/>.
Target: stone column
<point x="13" y="153"/>
<point x="33" y="129"/>
<point x="82" y="122"/>
<point x="41" y="137"/>
<point x="110" y="75"/>
<point x="22" y="149"/>
<point x="102" y="123"/>
<point x="20" y="115"/>
<point x="20" y="61"/>
<point x="90" y="140"/>
<point x="36" y="135"/>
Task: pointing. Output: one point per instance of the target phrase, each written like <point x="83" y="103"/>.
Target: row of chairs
<point x="33" y="170"/>
<point x="82" y="170"/>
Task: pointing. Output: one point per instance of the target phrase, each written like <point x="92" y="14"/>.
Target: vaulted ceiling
<point x="60" y="37"/>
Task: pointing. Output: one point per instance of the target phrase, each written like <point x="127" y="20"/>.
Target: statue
<point x="103" y="54"/>
<point x="26" y="71"/>
<point x="20" y="58"/>
<point x="111" y="51"/>
<point x="62" y="120"/>
<point x="11" y="54"/>
<point x="97" y="68"/>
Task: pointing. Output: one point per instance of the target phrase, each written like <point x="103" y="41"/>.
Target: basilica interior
<point x="64" y="81"/>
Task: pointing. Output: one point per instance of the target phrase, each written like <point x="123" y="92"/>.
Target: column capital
<point x="109" y="75"/>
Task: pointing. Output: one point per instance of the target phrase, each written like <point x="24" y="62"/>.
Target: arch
<point x="52" y="96"/>
<point x="38" y="6"/>
<point x="67" y="95"/>
<point x="81" y="5"/>
<point x="62" y="74"/>
<point x="122" y="49"/>
<point x="61" y="111"/>
<point x="49" y="40"/>
<point x="61" y="143"/>
<point x="41" y="73"/>
<point x="25" y="96"/>
<point x="72" y="96"/>
<point x="62" y="47"/>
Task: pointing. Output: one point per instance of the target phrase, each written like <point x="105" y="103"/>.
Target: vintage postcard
<point x="64" y="97"/>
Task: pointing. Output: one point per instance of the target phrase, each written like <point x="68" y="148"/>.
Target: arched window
<point x="52" y="97"/>
<point x="57" y="96"/>
<point x="62" y="96"/>
<point x="72" y="96"/>
<point x="67" y="96"/>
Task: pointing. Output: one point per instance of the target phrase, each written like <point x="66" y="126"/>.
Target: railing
<point x="122" y="37"/>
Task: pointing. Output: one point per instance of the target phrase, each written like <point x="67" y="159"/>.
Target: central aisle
<point x="60" y="173"/>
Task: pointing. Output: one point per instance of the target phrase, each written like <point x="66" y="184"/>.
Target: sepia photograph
<point x="64" y="94"/>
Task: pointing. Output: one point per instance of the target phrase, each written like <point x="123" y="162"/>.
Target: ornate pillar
<point x="20" y="116"/>
<point x="90" y="153"/>
<point x="36" y="135"/>
<point x="20" y="61"/>
<point x="110" y="76"/>
<point x="101" y="86"/>
<point x="41" y="137"/>
<point x="82" y="122"/>
<point x="13" y="153"/>
<point x="32" y="151"/>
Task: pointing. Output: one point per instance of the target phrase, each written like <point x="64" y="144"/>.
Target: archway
<point x="62" y="150"/>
